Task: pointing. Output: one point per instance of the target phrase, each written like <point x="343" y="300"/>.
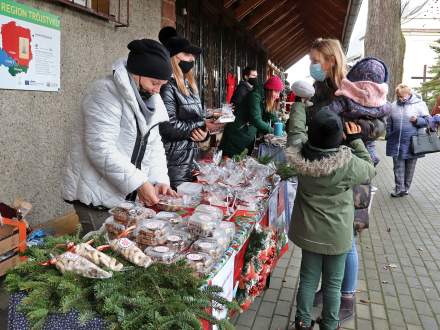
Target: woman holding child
<point x="335" y="95"/>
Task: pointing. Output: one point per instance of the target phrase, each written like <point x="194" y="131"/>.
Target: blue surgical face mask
<point x="317" y="72"/>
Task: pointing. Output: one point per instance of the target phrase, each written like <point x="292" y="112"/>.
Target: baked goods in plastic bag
<point x="228" y="227"/>
<point x="178" y="240"/>
<point x="152" y="231"/>
<point x="130" y="213"/>
<point x="97" y="257"/>
<point x="171" y="203"/>
<point x="202" y="224"/>
<point x="183" y="226"/>
<point x="130" y="252"/>
<point x="72" y="262"/>
<point x="162" y="254"/>
<point x="113" y="228"/>
<point x="223" y="239"/>
<point x="209" y="246"/>
<point x="200" y="262"/>
<point x="172" y="217"/>
<point x="215" y="212"/>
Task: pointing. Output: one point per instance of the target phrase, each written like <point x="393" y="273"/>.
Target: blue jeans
<point x="349" y="282"/>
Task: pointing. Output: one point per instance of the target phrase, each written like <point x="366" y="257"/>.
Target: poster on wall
<point x="29" y="48"/>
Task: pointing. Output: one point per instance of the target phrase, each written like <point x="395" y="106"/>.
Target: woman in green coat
<point x="253" y="115"/>
<point x="323" y="212"/>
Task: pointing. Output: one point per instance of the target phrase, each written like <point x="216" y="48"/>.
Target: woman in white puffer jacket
<point x="117" y="152"/>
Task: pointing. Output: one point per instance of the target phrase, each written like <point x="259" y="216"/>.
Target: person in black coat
<point x="186" y="127"/>
<point x="245" y="86"/>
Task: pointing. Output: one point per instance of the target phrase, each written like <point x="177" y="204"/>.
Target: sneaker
<point x="397" y="194"/>
<point x="405" y="193"/>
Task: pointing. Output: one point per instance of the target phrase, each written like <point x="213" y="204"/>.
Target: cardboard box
<point x="66" y="224"/>
<point x="101" y="6"/>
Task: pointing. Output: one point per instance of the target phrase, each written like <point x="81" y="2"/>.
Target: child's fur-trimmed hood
<point x="318" y="168"/>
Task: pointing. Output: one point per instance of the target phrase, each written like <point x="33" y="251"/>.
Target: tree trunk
<point x="384" y="38"/>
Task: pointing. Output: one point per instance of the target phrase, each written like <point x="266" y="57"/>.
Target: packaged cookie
<point x="200" y="262"/>
<point x="152" y="231"/>
<point x="162" y="254"/>
<point x="209" y="246"/>
<point x="202" y="224"/>
<point x="223" y="239"/>
<point x="130" y="251"/>
<point x="113" y="228"/>
<point x="183" y="226"/>
<point x="72" y="262"/>
<point x="178" y="240"/>
<point x="228" y="227"/>
<point x="97" y="257"/>
<point x="172" y="217"/>
<point x="215" y="212"/>
<point x="130" y="213"/>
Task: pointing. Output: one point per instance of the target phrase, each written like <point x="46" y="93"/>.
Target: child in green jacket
<point x="322" y="216"/>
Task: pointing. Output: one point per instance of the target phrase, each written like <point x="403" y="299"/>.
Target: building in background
<point x="36" y="126"/>
<point x="420" y="30"/>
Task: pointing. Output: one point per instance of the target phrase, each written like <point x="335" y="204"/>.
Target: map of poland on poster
<point x="29" y="48"/>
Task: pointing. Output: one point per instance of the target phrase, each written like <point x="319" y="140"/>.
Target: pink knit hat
<point x="274" y="83"/>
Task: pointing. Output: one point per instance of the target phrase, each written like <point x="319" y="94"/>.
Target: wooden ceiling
<point x="287" y="28"/>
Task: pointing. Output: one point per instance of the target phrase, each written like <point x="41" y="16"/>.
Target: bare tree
<point x="408" y="13"/>
<point x="384" y="38"/>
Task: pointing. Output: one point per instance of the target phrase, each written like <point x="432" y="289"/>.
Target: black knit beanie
<point x="325" y="130"/>
<point x="149" y="58"/>
<point x="175" y="43"/>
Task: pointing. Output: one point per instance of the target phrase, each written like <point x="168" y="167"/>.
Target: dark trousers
<point x="91" y="219"/>
<point x="403" y="173"/>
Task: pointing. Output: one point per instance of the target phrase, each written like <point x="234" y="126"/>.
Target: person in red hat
<point x="255" y="114"/>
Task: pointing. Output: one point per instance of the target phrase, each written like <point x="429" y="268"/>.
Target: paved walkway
<point x="404" y="233"/>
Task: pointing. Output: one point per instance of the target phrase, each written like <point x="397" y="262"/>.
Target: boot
<point x="318" y="321"/>
<point x="299" y="326"/>
<point x="318" y="298"/>
<point x="346" y="310"/>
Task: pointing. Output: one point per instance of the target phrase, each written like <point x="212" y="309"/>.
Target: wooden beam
<point x="286" y="21"/>
<point x="291" y="52"/>
<point x="273" y="19"/>
<point x="338" y="5"/>
<point x="245" y="8"/>
<point x="291" y="49"/>
<point x="263" y="11"/>
<point x="281" y="33"/>
<point x="285" y="41"/>
<point x="228" y="3"/>
<point x="290" y="58"/>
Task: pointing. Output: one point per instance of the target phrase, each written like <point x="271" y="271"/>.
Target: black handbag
<point x="425" y="143"/>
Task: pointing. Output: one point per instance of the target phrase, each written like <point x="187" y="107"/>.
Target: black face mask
<point x="186" y="66"/>
<point x="252" y="81"/>
<point x="145" y="95"/>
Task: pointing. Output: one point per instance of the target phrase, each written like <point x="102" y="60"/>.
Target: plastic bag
<point x="130" y="251"/>
<point x="72" y="262"/>
<point x="97" y="257"/>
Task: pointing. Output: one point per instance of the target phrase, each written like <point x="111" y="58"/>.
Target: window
<point x="116" y="11"/>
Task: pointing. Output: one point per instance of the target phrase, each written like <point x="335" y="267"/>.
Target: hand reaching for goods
<point x="164" y="189"/>
<point x="147" y="194"/>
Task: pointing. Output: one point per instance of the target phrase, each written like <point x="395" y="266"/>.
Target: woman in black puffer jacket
<point x="187" y="126"/>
